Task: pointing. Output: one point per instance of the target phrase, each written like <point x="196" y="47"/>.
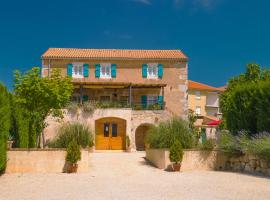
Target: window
<point x="124" y="99"/>
<point x="114" y="130"/>
<point x="151" y="100"/>
<point x="105" y="70"/>
<point x="105" y="98"/>
<point x="152" y="70"/>
<point x="198" y="110"/>
<point x="106" y="129"/>
<point x="198" y="94"/>
<point x="77" y="70"/>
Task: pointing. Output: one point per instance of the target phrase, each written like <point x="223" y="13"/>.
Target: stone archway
<point x="140" y="134"/>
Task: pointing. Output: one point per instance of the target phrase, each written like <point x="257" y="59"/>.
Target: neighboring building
<point x="204" y="101"/>
<point x="147" y="85"/>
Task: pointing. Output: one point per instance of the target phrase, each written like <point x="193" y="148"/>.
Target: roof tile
<point x="60" y="53"/>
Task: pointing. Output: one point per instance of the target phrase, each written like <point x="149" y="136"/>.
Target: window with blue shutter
<point x="97" y="71"/>
<point x="69" y="70"/>
<point x="160" y="101"/>
<point x="113" y="70"/>
<point x="144" y="101"/>
<point x="85" y="70"/>
<point x="160" y="70"/>
<point x="85" y="98"/>
<point x="144" y="70"/>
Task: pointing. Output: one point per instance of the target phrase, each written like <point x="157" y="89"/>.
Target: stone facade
<point x="134" y="118"/>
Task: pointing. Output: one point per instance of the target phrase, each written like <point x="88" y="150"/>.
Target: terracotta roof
<point x="201" y="86"/>
<point x="65" y="53"/>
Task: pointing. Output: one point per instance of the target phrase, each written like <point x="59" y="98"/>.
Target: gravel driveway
<point x="117" y="176"/>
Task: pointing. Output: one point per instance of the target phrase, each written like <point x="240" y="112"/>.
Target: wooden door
<point x="110" y="134"/>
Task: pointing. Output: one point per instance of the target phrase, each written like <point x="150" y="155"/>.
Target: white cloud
<point x="147" y="2"/>
<point x="197" y="4"/>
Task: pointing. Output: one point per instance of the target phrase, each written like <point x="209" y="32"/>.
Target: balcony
<point x="120" y="95"/>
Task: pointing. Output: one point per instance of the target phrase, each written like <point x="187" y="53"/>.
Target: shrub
<point x="260" y="146"/>
<point x="208" y="145"/>
<point x="4" y="125"/>
<point x="127" y="141"/>
<point x="229" y="144"/>
<point x="72" y="107"/>
<point x="164" y="135"/>
<point x="73" y="152"/>
<point x="80" y="133"/>
<point x="176" y="152"/>
<point x="88" y="107"/>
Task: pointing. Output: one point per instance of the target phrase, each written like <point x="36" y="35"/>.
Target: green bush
<point x="260" y="146"/>
<point x="208" y="145"/>
<point x="229" y="144"/>
<point x="76" y="131"/>
<point x="4" y="125"/>
<point x="176" y="152"/>
<point x="88" y="107"/>
<point x="164" y="135"/>
<point x="72" y="107"/>
<point x="73" y="152"/>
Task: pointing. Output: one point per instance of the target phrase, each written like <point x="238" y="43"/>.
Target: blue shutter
<point x="97" y="71"/>
<point x="85" y="70"/>
<point x="160" y="101"/>
<point x="160" y="70"/>
<point x="85" y="98"/>
<point x="144" y="101"/>
<point x="69" y="70"/>
<point x="144" y="70"/>
<point x="113" y="70"/>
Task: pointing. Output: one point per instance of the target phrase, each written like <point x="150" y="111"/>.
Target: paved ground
<point x="120" y="176"/>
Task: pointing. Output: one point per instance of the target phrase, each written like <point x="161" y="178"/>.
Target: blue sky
<point x="219" y="36"/>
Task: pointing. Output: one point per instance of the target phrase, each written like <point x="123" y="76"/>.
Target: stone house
<point x="139" y="87"/>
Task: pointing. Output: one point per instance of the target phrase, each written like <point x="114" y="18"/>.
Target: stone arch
<point x="140" y="135"/>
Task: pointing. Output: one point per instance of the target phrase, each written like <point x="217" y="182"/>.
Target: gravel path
<point x="120" y="176"/>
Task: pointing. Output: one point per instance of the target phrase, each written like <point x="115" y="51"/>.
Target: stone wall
<point x="192" y="159"/>
<point x="248" y="164"/>
<point x="210" y="160"/>
<point x="42" y="161"/>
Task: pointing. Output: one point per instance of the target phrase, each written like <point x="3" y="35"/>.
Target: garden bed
<point x="42" y="161"/>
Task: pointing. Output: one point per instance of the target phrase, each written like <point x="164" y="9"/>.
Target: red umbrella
<point x="214" y="123"/>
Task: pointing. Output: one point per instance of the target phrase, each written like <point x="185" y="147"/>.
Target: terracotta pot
<point x="176" y="167"/>
<point x="72" y="168"/>
<point x="9" y="144"/>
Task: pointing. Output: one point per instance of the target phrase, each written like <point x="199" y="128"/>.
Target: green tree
<point x="245" y="103"/>
<point x="4" y="125"/>
<point x="41" y="97"/>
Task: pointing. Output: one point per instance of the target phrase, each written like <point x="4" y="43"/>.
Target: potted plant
<point x="128" y="144"/>
<point x="73" y="156"/>
<point x="176" y="155"/>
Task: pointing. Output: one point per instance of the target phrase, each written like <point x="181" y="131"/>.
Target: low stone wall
<point x="192" y="159"/>
<point x="248" y="164"/>
<point x="42" y="161"/>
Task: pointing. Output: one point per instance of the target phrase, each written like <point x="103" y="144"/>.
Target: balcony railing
<point x="119" y="104"/>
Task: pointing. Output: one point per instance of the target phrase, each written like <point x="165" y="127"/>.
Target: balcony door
<point x="110" y="133"/>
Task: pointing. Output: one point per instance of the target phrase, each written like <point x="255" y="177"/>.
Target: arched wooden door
<point x="110" y="133"/>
